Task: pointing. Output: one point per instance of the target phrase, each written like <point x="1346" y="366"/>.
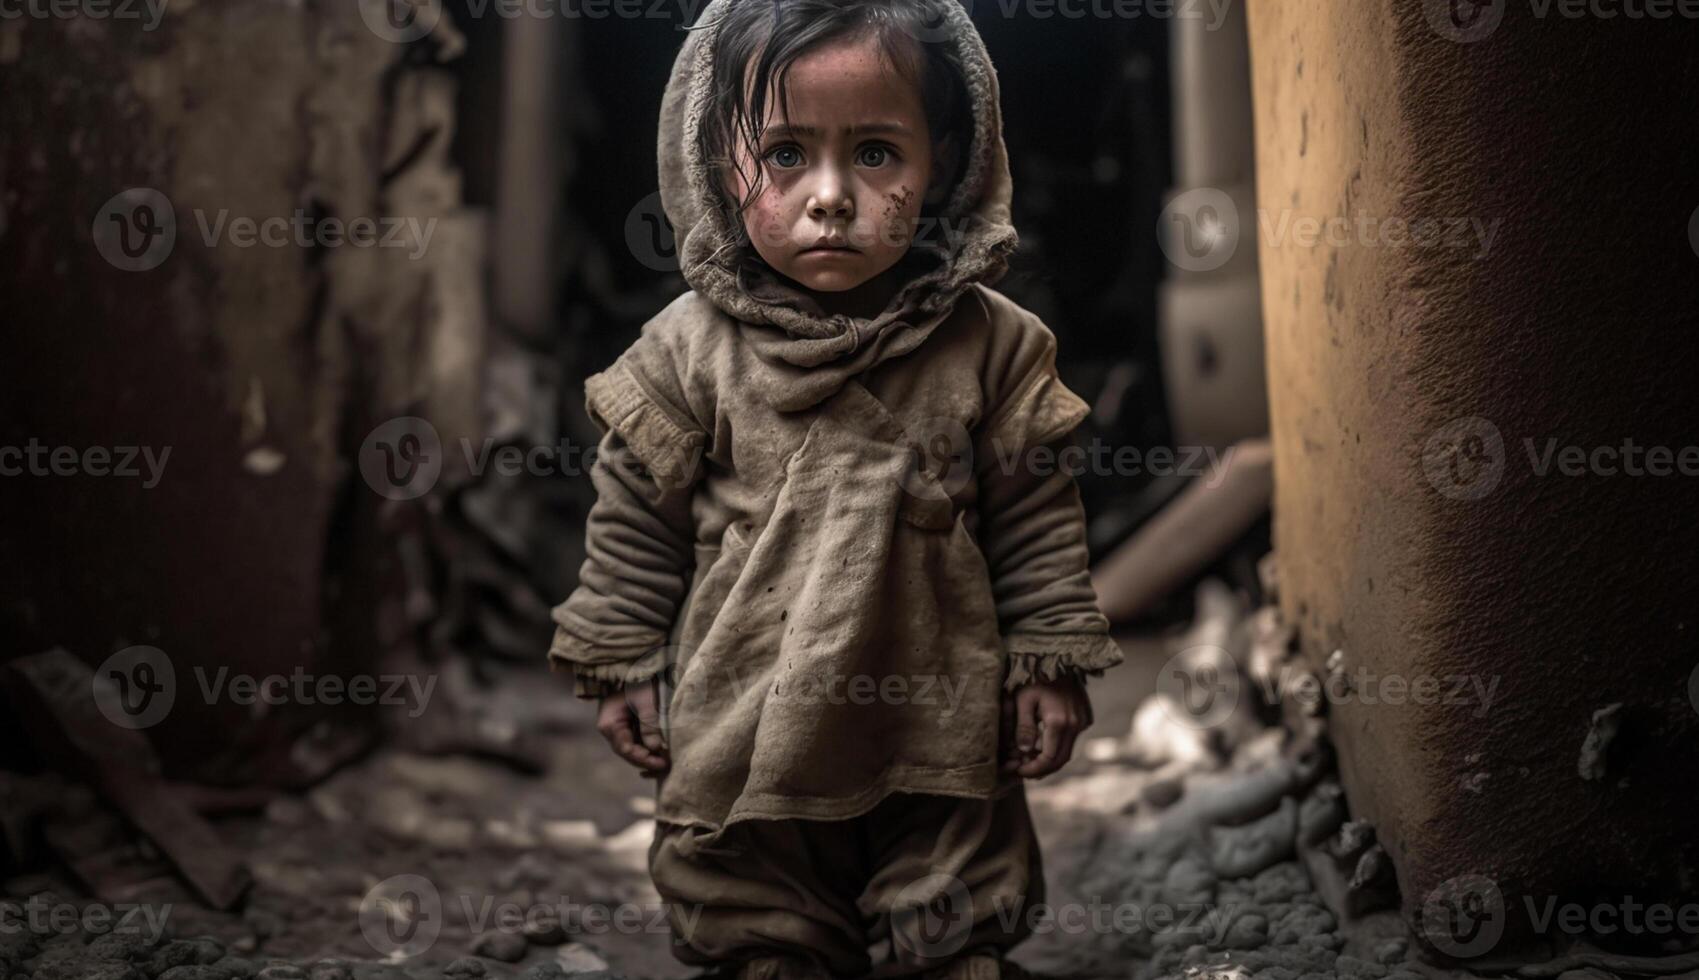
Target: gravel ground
<point x="404" y="865"/>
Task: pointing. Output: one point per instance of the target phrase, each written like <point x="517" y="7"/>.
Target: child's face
<point x="845" y="178"/>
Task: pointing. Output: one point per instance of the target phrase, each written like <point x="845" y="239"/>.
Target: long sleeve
<point x="615" y="627"/>
<point x="1032" y="527"/>
<point x="1032" y="531"/>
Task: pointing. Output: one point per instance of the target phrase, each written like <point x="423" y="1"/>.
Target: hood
<point x="811" y="353"/>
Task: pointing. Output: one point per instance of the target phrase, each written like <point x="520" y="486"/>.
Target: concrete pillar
<point x="1416" y="391"/>
<point x="1211" y="326"/>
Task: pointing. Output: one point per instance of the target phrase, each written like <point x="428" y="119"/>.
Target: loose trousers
<point x="920" y="880"/>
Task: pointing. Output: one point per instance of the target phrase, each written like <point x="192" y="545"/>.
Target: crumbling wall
<point x="259" y="367"/>
<point x="1415" y="385"/>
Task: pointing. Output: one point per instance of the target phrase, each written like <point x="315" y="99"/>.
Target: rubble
<point x="55" y="697"/>
<point x="1600" y="733"/>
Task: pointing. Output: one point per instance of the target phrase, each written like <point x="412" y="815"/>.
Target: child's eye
<point x="785" y="157"/>
<point x="874" y="156"/>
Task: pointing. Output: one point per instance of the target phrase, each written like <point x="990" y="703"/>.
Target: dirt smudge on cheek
<point x="899" y="200"/>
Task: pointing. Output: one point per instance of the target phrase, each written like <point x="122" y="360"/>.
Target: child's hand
<point x="1040" y="722"/>
<point x="631" y="723"/>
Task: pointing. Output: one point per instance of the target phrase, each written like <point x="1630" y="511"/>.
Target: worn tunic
<point x="828" y="532"/>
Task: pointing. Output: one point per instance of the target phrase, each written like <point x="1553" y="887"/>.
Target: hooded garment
<point x="840" y="539"/>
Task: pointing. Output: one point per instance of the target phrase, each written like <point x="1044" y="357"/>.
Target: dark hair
<point x="758" y="40"/>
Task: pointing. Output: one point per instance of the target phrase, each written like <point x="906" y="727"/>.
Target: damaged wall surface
<point x="142" y="314"/>
<point x="1415" y="391"/>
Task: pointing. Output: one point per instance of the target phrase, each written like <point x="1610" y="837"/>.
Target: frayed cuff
<point x="594" y="681"/>
<point x="1048" y="656"/>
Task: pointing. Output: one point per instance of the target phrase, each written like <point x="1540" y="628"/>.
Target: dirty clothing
<point x="792" y="506"/>
<point x="838" y="539"/>
<point x="917" y="880"/>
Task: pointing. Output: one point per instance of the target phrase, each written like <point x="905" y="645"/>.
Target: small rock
<point x="1238" y="852"/>
<point x="1392" y="951"/>
<point x="1248" y="931"/>
<point x="282" y="971"/>
<point x="544" y="971"/>
<point x="331" y="970"/>
<point x="177" y="952"/>
<point x="1321" y="813"/>
<point x="1161" y="793"/>
<point x="236" y="967"/>
<point x="544" y="931"/>
<point x="207" y="949"/>
<point x="131" y="946"/>
<point x="577" y="958"/>
<point x="508" y="947"/>
<point x="1350" y="966"/>
<point x="1354" y="837"/>
<point x="86" y="969"/>
<point x="464" y="967"/>
<point x="1600" y="734"/>
<point x="195" y="971"/>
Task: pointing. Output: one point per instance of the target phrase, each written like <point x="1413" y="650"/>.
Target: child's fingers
<point x="632" y="751"/>
<point x="1050" y="740"/>
<point x="1060" y="731"/>
<point x="649" y="730"/>
<point x="616" y="728"/>
<point x="1027" y="704"/>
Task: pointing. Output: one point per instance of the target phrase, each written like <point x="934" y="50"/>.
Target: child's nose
<point x="830" y="200"/>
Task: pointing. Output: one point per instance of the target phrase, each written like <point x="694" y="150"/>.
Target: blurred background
<point x="181" y="296"/>
<point x="298" y="302"/>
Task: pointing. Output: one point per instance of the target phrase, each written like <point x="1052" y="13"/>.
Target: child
<point x="826" y="518"/>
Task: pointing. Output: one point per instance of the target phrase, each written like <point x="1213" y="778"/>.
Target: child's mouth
<point x="840" y="250"/>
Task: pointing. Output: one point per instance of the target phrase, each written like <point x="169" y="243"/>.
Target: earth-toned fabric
<point x="839" y="540"/>
<point x="928" y="885"/>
